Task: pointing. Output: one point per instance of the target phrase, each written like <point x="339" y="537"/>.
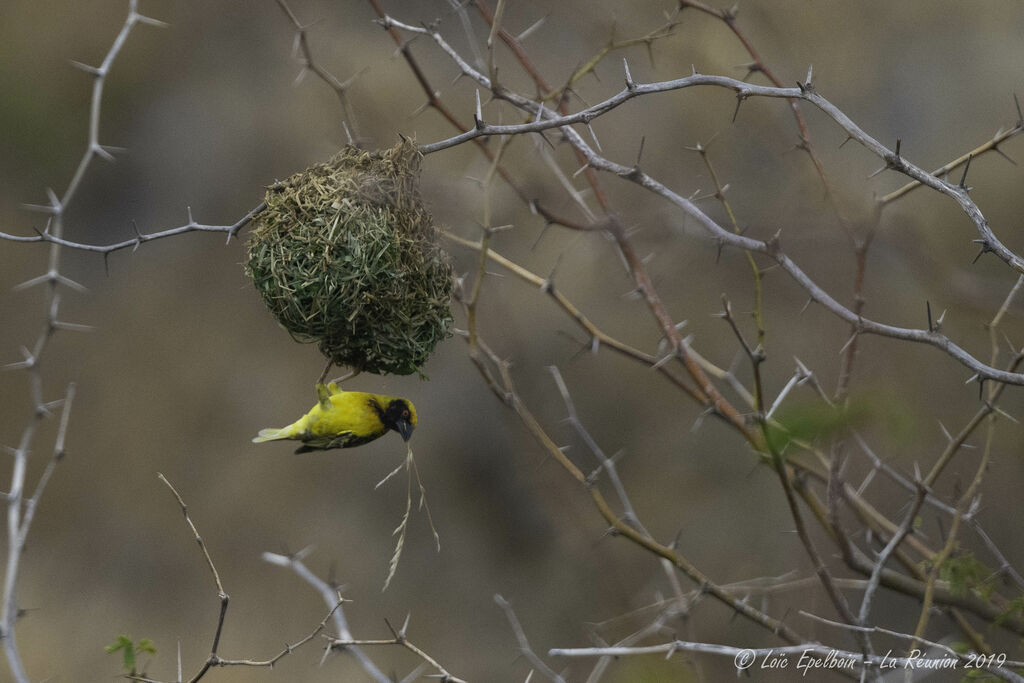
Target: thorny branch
<point x="304" y="54"/>
<point x="333" y="599"/>
<point x="262" y="663"/>
<point x="758" y="65"/>
<point x="701" y="372"/>
<point x="524" y="642"/>
<point x="222" y="597"/>
<point x="854" y="659"/>
<point x="771" y="247"/>
<point x="330" y="595"/>
<point x="547" y="120"/>
<point x="871" y="517"/>
<point x="55" y="239"/>
<point x="398" y="638"/>
<point x="507" y="392"/>
<point x="20" y="512"/>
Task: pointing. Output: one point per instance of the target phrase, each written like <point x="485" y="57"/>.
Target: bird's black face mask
<point x="397" y="416"/>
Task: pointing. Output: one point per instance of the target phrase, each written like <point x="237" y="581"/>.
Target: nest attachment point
<point x="345" y="255"/>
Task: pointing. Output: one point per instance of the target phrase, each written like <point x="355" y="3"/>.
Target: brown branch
<point x="990" y="146"/>
<point x="770" y="247"/>
<point x="728" y="17"/>
<point x="598" y="336"/>
<point x="940" y="559"/>
<point x="221" y="595"/>
<point x="434" y="101"/>
<point x="720" y="189"/>
<point x="562" y="106"/>
<point x="715" y="401"/>
<point x="268" y="663"/>
<point x="510" y="397"/>
<point x="880" y="525"/>
<point x="664" y="31"/>
<point x="304" y="55"/>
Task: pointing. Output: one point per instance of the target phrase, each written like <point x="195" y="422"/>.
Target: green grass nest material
<point x="345" y="255"/>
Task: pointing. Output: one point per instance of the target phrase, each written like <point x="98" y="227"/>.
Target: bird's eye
<point x="405" y="413"/>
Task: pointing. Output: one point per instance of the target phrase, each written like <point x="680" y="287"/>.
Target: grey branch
<point x="840" y="659"/>
<point x="140" y="238"/>
<point x="963" y="657"/>
<point x="19" y="511"/>
<point x="770" y="248"/>
<point x="887" y="551"/>
<point x="330" y="596"/>
<point x="524" y="643"/>
<point x="304" y="55"/>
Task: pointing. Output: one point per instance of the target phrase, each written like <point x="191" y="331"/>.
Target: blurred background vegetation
<point x="185" y="364"/>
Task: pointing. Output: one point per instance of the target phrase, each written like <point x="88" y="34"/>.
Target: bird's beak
<point x="404" y="427"/>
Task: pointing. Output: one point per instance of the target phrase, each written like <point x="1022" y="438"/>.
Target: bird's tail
<point x="271" y="435"/>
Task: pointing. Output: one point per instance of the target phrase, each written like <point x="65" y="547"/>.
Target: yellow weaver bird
<point x="344" y="419"/>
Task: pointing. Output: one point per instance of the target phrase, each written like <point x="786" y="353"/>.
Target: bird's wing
<point x="344" y="439"/>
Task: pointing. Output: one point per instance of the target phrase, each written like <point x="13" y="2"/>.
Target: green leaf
<point x="125" y="645"/>
<point x="129" y="650"/>
<point x="965" y="573"/>
<point x="812" y="420"/>
<point x="121" y="643"/>
<point x="1015" y="607"/>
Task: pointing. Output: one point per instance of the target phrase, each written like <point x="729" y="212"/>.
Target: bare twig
<point x="770" y="247"/>
<point x="508" y="394"/>
<point x="524" y="642"/>
<point x="32" y="504"/>
<point x="607" y="465"/>
<point x="332" y="597"/>
<point x="990" y="146"/>
<point x="262" y="663"/>
<point x="964" y="508"/>
<point x="304" y="55"/>
<point x="399" y="638"/>
<point x="19" y="511"/>
<point x="758" y="65"/>
<point x="599" y="338"/>
<point x="887" y="551"/>
<point x="223" y="597"/>
<point x="746" y="657"/>
<point x="963" y="657"/>
<point x="329" y="594"/>
<point x="51" y="237"/>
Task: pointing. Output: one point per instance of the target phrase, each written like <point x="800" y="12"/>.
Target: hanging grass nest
<point x="345" y="255"/>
